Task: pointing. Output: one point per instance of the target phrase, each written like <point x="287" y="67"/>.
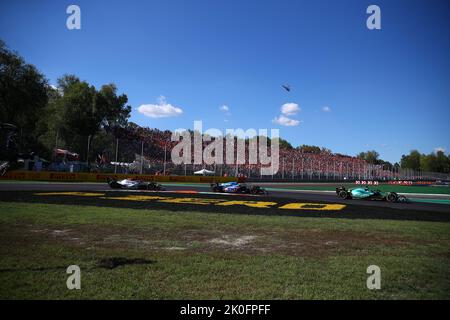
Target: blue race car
<point x="236" y="187"/>
<point x="369" y="194"/>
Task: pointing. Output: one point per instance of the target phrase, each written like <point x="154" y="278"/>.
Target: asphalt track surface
<point x="176" y="196"/>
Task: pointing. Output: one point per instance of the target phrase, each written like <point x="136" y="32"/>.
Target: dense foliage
<point x="433" y="162"/>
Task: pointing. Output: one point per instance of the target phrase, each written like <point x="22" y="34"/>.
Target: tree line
<point x="67" y="116"/>
<point x="432" y="162"/>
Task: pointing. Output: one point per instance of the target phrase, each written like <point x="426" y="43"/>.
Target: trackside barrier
<point x="397" y="182"/>
<point x="370" y="183"/>
<point x="101" y="177"/>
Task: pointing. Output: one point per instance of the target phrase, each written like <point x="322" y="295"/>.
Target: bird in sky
<point x="286" y="87"/>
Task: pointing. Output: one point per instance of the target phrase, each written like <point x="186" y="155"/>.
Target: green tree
<point x="285" y="144"/>
<point x="112" y="108"/>
<point x="23" y="96"/>
<point x="442" y="163"/>
<point x="428" y="162"/>
<point x="369" y="156"/>
<point x="411" y="161"/>
<point x="309" y="149"/>
<point x="78" y="112"/>
<point x="50" y="123"/>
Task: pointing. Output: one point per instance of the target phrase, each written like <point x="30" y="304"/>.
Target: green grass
<point x="194" y="255"/>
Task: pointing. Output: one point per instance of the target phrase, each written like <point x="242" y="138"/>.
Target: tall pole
<point x="353" y="171"/>
<point x="165" y="155"/>
<point x="320" y="170"/>
<point x="293" y="168"/>
<point x="334" y="170"/>
<point x="303" y="168"/>
<point x="117" y="149"/>
<point x="142" y="156"/>
<point x="88" y="147"/>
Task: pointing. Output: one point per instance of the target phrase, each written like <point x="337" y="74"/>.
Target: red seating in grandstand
<point x="293" y="162"/>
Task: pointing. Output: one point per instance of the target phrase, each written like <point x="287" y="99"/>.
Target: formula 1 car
<point x="369" y="194"/>
<point x="235" y="187"/>
<point x="130" y="184"/>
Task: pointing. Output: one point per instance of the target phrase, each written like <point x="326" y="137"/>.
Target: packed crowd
<point x="292" y="162"/>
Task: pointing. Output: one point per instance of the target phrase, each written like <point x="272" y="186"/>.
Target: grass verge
<point x="159" y="254"/>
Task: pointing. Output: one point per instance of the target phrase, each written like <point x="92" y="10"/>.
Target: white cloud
<point x="290" y="108"/>
<point x="285" y="121"/>
<point x="226" y="111"/>
<point x="439" y="149"/>
<point x="160" y="110"/>
<point x="326" y="109"/>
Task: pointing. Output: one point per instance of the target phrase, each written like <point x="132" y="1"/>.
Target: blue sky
<point x="387" y="89"/>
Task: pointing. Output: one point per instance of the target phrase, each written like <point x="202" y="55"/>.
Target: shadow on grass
<point x="114" y="262"/>
<point x="106" y="263"/>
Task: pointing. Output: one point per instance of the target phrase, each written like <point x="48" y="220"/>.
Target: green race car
<point x="369" y="194"/>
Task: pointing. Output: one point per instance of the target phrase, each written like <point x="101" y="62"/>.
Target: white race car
<point x="131" y="184"/>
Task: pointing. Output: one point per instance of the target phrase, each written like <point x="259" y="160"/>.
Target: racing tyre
<point x="114" y="185"/>
<point x="244" y="190"/>
<point x="392" y="197"/>
<point x="217" y="189"/>
<point x="260" y="190"/>
<point x="255" y="190"/>
<point x="402" y="199"/>
<point x="343" y="194"/>
<point x="153" y="186"/>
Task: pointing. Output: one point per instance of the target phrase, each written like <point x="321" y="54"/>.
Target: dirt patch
<point x="233" y="241"/>
<point x="298" y="242"/>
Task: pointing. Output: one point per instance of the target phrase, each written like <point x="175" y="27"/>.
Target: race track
<point x="187" y="198"/>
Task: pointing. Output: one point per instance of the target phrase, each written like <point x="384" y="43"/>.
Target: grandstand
<point x="143" y="150"/>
